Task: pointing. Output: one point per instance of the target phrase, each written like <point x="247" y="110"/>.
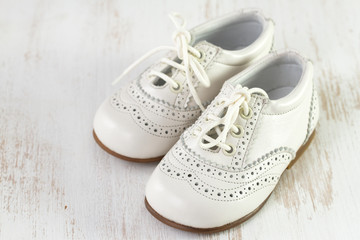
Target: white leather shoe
<point x="144" y="119"/>
<point x="226" y="165"/>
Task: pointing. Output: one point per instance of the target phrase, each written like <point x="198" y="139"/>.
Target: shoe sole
<point x="229" y="225"/>
<point x="115" y="154"/>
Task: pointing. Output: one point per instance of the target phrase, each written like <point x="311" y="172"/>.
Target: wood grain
<point x="57" y="60"/>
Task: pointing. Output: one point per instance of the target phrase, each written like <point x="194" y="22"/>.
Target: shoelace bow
<point x="238" y="101"/>
<point x="189" y="55"/>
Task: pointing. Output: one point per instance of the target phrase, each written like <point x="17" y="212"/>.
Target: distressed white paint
<point x="57" y="59"/>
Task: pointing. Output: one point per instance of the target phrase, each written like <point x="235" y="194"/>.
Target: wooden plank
<point x="57" y="60"/>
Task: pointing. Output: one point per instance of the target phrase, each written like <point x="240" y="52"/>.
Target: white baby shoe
<point x="225" y="166"/>
<point x="144" y="119"/>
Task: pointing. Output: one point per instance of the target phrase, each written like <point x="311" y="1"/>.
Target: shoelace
<point x="237" y="102"/>
<point x="189" y="55"/>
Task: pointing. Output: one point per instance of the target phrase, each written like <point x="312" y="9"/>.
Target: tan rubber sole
<point x="202" y="230"/>
<point x="229" y="225"/>
<point x="115" y="154"/>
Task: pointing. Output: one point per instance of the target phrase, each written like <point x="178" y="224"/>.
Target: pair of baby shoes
<point x="224" y="115"/>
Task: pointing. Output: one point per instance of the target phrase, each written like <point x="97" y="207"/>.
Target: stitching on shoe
<point x="177" y="129"/>
<point x="236" y="181"/>
<point x="161" y="102"/>
<point x="232" y="168"/>
<point x="247" y="189"/>
<point x="186" y="95"/>
<point x="245" y="148"/>
<point x="243" y="170"/>
<point x="254" y="133"/>
<point x="170" y="108"/>
<point x="311" y="114"/>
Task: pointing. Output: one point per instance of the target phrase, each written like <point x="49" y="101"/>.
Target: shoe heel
<point x="301" y="150"/>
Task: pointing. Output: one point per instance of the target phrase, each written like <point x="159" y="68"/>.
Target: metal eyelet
<point x="249" y="115"/>
<point x="196" y="131"/>
<point x="230" y="152"/>
<point x="218" y="103"/>
<point x="202" y="55"/>
<point x="238" y="133"/>
<point x="177" y="89"/>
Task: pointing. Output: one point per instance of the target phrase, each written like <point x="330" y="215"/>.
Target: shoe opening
<point x="278" y="77"/>
<point x="234" y="33"/>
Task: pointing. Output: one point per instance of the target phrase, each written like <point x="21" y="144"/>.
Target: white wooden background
<point x="57" y="60"/>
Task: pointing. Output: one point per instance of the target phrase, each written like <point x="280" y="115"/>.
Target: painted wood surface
<point x="57" y="60"/>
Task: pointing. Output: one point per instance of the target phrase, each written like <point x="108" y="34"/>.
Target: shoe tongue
<point x="162" y="94"/>
<point x="201" y="46"/>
